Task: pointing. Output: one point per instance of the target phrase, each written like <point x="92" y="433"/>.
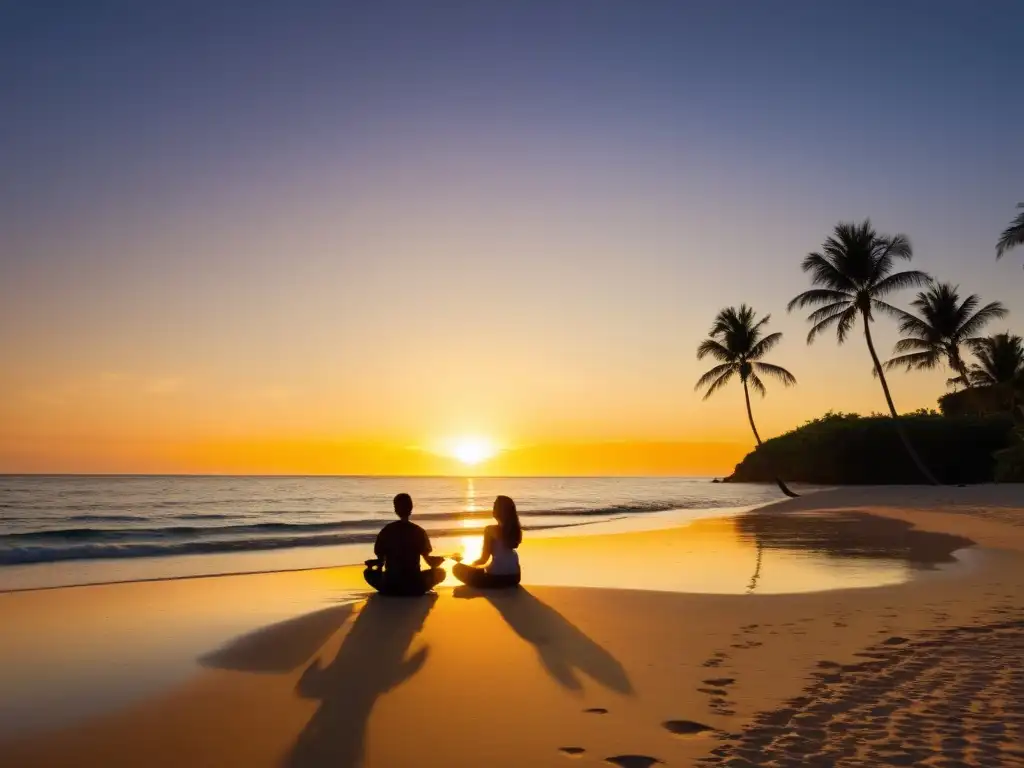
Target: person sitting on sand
<point x="398" y="548"/>
<point x="498" y="566"/>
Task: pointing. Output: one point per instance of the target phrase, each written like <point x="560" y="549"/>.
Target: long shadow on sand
<point x="281" y="647"/>
<point x="370" y="662"/>
<point x="563" y="649"/>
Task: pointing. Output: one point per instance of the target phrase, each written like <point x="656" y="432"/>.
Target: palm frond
<point x="776" y="372"/>
<point x="713" y="374"/>
<point x="842" y="320"/>
<point x="1012" y="236"/>
<point x="825" y="271"/>
<point x="913" y="360"/>
<point x="764" y="346"/>
<point x="913" y="344"/>
<point x="898" y="281"/>
<point x="720" y="382"/>
<point x="756" y="384"/>
<point x="991" y="311"/>
<point x="832" y="309"/>
<point x="886" y="249"/>
<point x="714" y="349"/>
<point x="912" y="324"/>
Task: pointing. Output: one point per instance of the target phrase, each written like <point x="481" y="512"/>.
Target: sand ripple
<point x="948" y="698"/>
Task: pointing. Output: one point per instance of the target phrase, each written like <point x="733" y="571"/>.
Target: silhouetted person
<point x="498" y="566"/>
<point x="398" y="548"/>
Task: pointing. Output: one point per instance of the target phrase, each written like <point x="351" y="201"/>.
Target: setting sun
<point x="473" y="450"/>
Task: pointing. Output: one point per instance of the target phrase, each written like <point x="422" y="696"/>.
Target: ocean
<point x="172" y="525"/>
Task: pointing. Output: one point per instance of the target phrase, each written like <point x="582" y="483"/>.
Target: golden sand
<point x="925" y="672"/>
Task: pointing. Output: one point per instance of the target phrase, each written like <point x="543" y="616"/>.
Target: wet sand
<point x="296" y="669"/>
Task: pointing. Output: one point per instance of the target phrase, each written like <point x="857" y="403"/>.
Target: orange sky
<point x="401" y="228"/>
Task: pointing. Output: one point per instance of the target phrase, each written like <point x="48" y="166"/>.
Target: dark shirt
<point x="399" y="545"/>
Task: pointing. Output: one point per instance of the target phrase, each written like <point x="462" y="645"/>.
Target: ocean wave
<point x="159" y="534"/>
<point x="27" y="555"/>
<point x="105" y="519"/>
<point x="181" y="531"/>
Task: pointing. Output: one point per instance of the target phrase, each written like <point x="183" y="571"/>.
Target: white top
<point x="504" y="561"/>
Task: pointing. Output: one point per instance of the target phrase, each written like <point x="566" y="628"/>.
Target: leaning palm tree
<point x="1000" y="361"/>
<point x="854" y="272"/>
<point x="1012" y="236"/>
<point x="942" y="326"/>
<point x="737" y="342"/>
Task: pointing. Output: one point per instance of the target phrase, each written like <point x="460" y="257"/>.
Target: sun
<point x="473" y="450"/>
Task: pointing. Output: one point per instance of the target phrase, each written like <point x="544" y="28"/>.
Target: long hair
<point x="508" y="522"/>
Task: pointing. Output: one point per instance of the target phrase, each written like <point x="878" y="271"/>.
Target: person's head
<point x="403" y="505"/>
<point x="508" y="521"/>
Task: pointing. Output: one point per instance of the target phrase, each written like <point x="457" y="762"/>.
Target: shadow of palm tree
<point x="757" y="569"/>
<point x="371" y="661"/>
<point x="850" y="534"/>
<point x="564" y="650"/>
<point x="280" y="647"/>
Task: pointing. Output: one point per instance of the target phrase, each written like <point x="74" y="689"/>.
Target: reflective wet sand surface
<point x="77" y="651"/>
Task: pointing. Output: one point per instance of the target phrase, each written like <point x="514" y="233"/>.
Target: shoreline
<point x="295" y="668"/>
<point x="348" y="554"/>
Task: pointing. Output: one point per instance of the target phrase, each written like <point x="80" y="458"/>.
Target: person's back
<point x="498" y="564"/>
<point x="504" y="559"/>
<point x="398" y="549"/>
<point x="400" y="545"/>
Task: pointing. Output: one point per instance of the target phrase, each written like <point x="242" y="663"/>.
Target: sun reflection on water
<point x="471" y="546"/>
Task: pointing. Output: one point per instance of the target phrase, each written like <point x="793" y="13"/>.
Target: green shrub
<point x="977" y="400"/>
<point x="851" y="449"/>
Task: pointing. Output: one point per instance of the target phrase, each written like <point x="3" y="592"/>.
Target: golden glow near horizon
<point x="473" y="450"/>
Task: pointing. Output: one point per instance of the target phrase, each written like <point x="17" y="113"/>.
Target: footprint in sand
<point x="685" y="727"/>
<point x="718" y="682"/>
<point x="633" y="761"/>
<point x="596" y="711"/>
<point x="572" y="751"/>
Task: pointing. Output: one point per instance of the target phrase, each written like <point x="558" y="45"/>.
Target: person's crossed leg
<point x="416" y="584"/>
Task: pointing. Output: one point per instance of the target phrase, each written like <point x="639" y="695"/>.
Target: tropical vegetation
<point x="855" y="277"/>
<point x="846" y="448"/>
<point x="943" y="326"/>
<point x="1012" y="236"/>
<point x="854" y="274"/>
<point x="737" y="341"/>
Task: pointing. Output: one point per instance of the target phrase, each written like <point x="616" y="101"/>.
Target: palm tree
<point x="854" y="272"/>
<point x="941" y="326"/>
<point x="1000" y="361"/>
<point x="1012" y="236"/>
<point x="737" y="342"/>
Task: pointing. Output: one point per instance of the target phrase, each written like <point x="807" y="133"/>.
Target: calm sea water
<point x="62" y="519"/>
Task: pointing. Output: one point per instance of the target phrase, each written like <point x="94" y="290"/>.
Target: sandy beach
<point x="299" y="669"/>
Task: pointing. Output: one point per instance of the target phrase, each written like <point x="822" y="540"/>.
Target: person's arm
<point x="378" y="559"/>
<point x="485" y="552"/>
<point x="426" y="549"/>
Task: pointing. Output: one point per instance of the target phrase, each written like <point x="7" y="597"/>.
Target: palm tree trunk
<point x="750" y="413"/>
<point x="957" y="363"/>
<point x="892" y="408"/>
<point x="753" y="428"/>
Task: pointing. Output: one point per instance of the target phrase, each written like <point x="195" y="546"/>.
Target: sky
<point x="342" y="237"/>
